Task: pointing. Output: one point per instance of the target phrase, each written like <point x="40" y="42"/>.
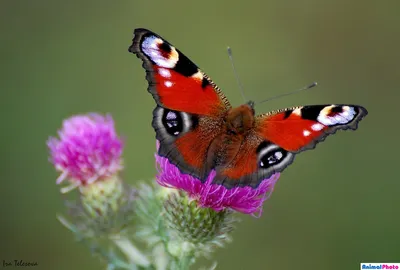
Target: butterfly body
<point x="199" y="131"/>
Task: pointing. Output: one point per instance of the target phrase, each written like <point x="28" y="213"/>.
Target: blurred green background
<point x="333" y="208"/>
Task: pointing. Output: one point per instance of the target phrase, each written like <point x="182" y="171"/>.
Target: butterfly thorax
<point x="239" y="120"/>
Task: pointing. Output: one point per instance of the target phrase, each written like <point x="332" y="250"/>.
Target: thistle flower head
<point x="88" y="149"/>
<point x="246" y="200"/>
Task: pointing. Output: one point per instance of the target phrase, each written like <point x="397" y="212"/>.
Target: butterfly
<point x="199" y="131"/>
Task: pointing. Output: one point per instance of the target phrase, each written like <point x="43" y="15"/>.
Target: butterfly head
<point x="251" y="104"/>
<point x="241" y="119"/>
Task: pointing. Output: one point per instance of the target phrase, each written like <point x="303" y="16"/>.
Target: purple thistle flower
<point x="88" y="149"/>
<point x="246" y="200"/>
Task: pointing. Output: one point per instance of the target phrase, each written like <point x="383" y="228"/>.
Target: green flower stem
<point x="186" y="261"/>
<point x="161" y="258"/>
<point x="132" y="252"/>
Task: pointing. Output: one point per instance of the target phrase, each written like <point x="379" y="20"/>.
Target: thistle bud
<point x="102" y="197"/>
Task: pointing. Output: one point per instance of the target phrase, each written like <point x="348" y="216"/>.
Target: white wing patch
<point x="164" y="72"/>
<point x="317" y="127"/>
<point x="198" y="75"/>
<point x="297" y="111"/>
<point x="328" y="118"/>
<point x="151" y="48"/>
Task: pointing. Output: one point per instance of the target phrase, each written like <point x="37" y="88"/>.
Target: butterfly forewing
<point x="176" y="82"/>
<point x="301" y="128"/>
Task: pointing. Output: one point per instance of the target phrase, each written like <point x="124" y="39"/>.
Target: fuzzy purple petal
<point x="88" y="148"/>
<point x="246" y="200"/>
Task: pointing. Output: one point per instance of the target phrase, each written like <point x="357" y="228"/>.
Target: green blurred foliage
<point x="333" y="208"/>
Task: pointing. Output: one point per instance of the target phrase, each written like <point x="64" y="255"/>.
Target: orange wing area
<point x="191" y="151"/>
<point x="240" y="167"/>
<point x="245" y="163"/>
<point x="292" y="133"/>
<point x="187" y="94"/>
<point x="193" y="147"/>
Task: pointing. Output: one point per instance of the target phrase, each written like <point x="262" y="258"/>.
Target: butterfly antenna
<point x="290" y="93"/>
<point x="236" y="75"/>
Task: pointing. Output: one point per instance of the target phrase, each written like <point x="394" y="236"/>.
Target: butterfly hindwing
<point x="252" y="160"/>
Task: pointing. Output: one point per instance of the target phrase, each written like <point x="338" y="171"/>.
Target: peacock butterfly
<point x="199" y="131"/>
